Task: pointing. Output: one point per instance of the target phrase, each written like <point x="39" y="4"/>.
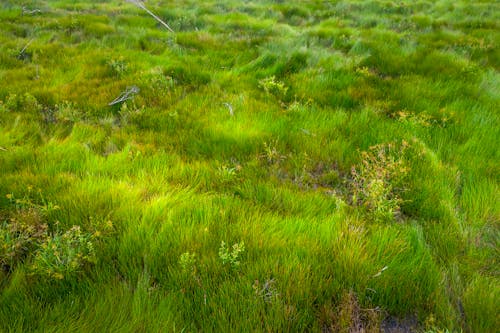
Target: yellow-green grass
<point x="352" y="146"/>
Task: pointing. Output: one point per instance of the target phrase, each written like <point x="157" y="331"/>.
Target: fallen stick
<point x="125" y="95"/>
<point x="230" y="108"/>
<point x="26" y="46"/>
<point x="31" y="12"/>
<point x="21" y="53"/>
<point x="141" y="5"/>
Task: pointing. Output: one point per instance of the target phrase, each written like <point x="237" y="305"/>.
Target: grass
<point x="347" y="149"/>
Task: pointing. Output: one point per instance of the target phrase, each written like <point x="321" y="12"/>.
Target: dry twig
<point x="129" y="93"/>
<point x="139" y="4"/>
<point x="31" y="11"/>
<point x="22" y="53"/>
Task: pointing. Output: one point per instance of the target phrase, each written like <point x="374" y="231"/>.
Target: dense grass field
<point x="280" y="166"/>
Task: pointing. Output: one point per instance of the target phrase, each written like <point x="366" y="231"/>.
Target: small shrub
<point x="273" y="87"/>
<point x="187" y="261"/>
<point x="231" y="257"/>
<point x="375" y="182"/>
<point x="64" y="254"/>
<point x="118" y="66"/>
<point x="27" y="237"/>
<point x="18" y="237"/>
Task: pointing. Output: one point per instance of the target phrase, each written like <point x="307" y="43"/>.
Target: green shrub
<point x="19" y="236"/>
<point x="273" y="87"/>
<point x="187" y="261"/>
<point x="27" y="237"/>
<point x="231" y="257"/>
<point x="63" y="255"/>
<point x="376" y="180"/>
<point x="118" y="67"/>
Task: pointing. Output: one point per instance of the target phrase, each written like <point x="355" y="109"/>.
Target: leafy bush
<point x="27" y="237"/>
<point x="273" y="87"/>
<point x="19" y="236"/>
<point x="231" y="258"/>
<point x="187" y="261"/>
<point x="376" y="182"/>
<point x="118" y="67"/>
<point x="64" y="254"/>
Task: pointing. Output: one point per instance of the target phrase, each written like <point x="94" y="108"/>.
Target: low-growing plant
<point x="18" y="237"/>
<point x="64" y="254"/>
<point x="31" y="202"/>
<point x="28" y="237"/>
<point x="231" y="256"/>
<point x="228" y="172"/>
<point x="118" y="67"/>
<point x="129" y="112"/>
<point x="377" y="181"/>
<point x="157" y="80"/>
<point x="271" y="153"/>
<point x="273" y="87"/>
<point x="188" y="263"/>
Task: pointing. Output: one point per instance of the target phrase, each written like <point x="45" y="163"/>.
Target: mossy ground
<point x="351" y="145"/>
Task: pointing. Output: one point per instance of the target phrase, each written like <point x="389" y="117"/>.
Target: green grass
<point x="351" y="145"/>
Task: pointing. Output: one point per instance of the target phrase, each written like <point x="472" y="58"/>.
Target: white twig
<point x="141" y="5"/>
<point x="230" y="108"/>
<point x="31" y="12"/>
<point x="25" y="47"/>
<point x="125" y="95"/>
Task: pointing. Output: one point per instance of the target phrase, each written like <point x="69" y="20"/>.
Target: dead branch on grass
<point x="22" y="53"/>
<point x="139" y="4"/>
<point x="127" y="94"/>
<point x="27" y="11"/>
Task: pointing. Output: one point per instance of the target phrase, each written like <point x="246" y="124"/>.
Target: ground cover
<point x="276" y="166"/>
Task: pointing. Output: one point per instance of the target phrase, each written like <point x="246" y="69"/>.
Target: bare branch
<point x="139" y="4"/>
<point x="127" y="94"/>
<point x="23" y="50"/>
<point x="31" y="12"/>
<point x="229" y="107"/>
